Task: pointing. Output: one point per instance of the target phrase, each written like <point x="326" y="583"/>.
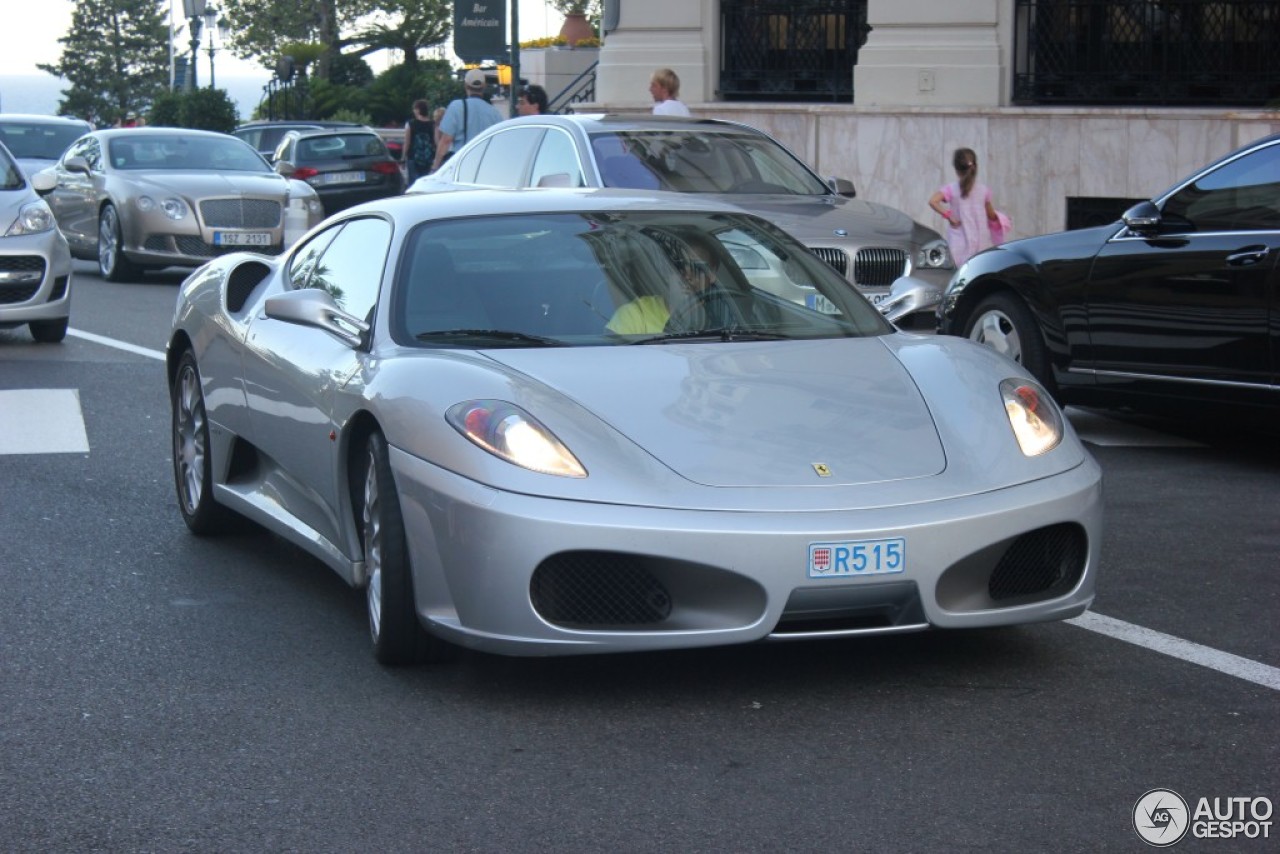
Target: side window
<point x="304" y="261"/>
<point x="470" y="164"/>
<point x="507" y="158"/>
<point x="1243" y="195"/>
<point x="351" y="268"/>
<point x="556" y="164"/>
<point x="93" y="154"/>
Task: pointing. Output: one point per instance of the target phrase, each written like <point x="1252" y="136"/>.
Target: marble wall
<point x="1032" y="159"/>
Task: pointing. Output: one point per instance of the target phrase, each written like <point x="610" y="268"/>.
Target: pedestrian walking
<point x="465" y="117"/>
<point x="973" y="223"/>
<point x="419" y="141"/>
<point x="664" y="86"/>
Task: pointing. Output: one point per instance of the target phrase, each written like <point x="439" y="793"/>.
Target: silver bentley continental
<point x="135" y="199"/>
<point x="585" y="421"/>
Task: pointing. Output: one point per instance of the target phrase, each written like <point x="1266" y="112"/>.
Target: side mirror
<point x="76" y="164"/>
<point x="317" y="309"/>
<point x="44" y="182"/>
<point x="1143" y="218"/>
<point x="285" y="168"/>
<point x="908" y="295"/>
<point x="842" y="187"/>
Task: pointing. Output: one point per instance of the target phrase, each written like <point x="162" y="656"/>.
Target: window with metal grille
<point x="1147" y="52"/>
<point x="801" y="50"/>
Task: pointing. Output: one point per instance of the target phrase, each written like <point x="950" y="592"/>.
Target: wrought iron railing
<point x="581" y="89"/>
<point x="1147" y="52"/>
<point x="790" y="50"/>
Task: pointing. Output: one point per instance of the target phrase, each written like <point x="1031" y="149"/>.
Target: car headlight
<point x="509" y="432"/>
<point x="933" y="255"/>
<point x="33" y="218"/>
<point x="1034" y="417"/>
<point x="173" y="207"/>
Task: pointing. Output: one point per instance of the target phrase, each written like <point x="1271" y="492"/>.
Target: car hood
<point x="748" y="415"/>
<point x="201" y="184"/>
<point x="817" y="219"/>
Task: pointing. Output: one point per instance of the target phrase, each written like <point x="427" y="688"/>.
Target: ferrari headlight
<point x="33" y="218"/>
<point x="933" y="255"/>
<point x="1034" y="417"/>
<point x="509" y="432"/>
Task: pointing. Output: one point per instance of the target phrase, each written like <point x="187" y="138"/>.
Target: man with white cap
<point x="465" y="117"/>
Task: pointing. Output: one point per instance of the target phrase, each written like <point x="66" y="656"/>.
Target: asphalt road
<point x="160" y="692"/>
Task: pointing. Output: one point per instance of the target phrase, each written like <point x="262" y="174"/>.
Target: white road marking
<point x="1223" y="662"/>
<point x="119" y="345"/>
<point x="42" y="421"/>
<point x="1100" y="430"/>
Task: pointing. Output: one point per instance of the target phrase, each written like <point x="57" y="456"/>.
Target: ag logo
<point x="1160" y="817"/>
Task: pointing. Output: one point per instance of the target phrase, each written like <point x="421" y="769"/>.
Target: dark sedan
<point x="1177" y="303"/>
<point x="346" y="167"/>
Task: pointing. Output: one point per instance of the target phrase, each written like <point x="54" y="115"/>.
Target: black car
<point x="346" y="167"/>
<point x="1177" y="303"/>
<point x="266" y="135"/>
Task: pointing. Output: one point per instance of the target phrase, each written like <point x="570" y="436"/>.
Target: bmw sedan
<point x="1175" y="306"/>
<point x="135" y="199"/>
<point x="871" y="245"/>
<point x="561" y="423"/>
<point x="35" y="263"/>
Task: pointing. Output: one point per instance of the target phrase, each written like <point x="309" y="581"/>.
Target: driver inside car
<point x="700" y="301"/>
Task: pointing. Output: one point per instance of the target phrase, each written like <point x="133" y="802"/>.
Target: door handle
<point x="1248" y="255"/>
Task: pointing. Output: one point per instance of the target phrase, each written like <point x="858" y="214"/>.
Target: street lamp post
<point x="195" y="11"/>
<point x="215" y="26"/>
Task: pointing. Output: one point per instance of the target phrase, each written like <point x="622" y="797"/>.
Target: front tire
<point x="1005" y="324"/>
<point x="112" y="265"/>
<point x="48" y="331"/>
<point x="192" y="467"/>
<point x="398" y="636"/>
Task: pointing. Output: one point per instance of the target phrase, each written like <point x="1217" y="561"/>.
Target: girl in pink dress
<point x="973" y="223"/>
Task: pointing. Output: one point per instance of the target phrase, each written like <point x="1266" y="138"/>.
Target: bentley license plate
<point x="241" y="238"/>
<point x="857" y="557"/>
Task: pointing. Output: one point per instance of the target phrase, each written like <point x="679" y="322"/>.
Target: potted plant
<point x="577" y="19"/>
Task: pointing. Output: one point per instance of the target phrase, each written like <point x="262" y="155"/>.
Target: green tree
<point x="116" y="58"/>
<point x="404" y="25"/>
<point x="201" y="109"/>
<point x="350" y="28"/>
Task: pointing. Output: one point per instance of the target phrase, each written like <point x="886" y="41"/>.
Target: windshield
<point x="702" y="161"/>
<point x="10" y="175"/>
<point x="39" y="141"/>
<point x="595" y="279"/>
<point x="185" y="153"/>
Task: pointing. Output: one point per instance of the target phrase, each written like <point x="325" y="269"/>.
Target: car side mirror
<point x="76" y="164"/>
<point x="44" y="182"/>
<point x="1143" y="218"/>
<point x="842" y="187"/>
<point x="285" y="168"/>
<point x="317" y="309"/>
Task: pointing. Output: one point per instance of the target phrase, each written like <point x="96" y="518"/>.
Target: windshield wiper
<point x="503" y="335"/>
<point x="720" y="334"/>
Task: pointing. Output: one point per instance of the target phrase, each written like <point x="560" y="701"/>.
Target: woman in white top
<point x="664" y="86"/>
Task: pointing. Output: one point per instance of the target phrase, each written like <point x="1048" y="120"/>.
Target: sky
<point x="33" y="38"/>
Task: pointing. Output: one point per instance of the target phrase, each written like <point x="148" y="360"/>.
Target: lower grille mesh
<point x="600" y="590"/>
<point x="1046" y="561"/>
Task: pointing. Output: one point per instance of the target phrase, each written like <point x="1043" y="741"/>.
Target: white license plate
<point x="857" y="557"/>
<point x="344" y="177"/>
<point x="818" y="302"/>
<point x="876" y="297"/>
<point x="241" y="238"/>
